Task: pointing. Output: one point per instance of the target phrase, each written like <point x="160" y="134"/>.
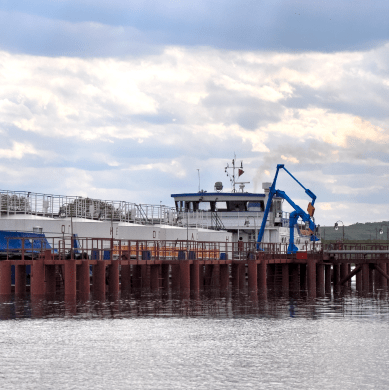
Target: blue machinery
<point x="294" y="216"/>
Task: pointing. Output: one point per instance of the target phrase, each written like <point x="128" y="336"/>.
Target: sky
<point x="134" y="100"/>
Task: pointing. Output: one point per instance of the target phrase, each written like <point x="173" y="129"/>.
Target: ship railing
<point x="224" y="220"/>
<point x="155" y="214"/>
<point x="60" y="206"/>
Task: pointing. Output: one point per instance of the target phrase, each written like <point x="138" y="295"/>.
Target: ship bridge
<point x="231" y="211"/>
<point x="219" y="201"/>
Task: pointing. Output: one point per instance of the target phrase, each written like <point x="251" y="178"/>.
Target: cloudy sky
<point x="126" y="100"/>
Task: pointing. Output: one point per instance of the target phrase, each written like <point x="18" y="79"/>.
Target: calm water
<point x="215" y="342"/>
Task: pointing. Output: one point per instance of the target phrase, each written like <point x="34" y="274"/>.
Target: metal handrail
<point x="57" y="206"/>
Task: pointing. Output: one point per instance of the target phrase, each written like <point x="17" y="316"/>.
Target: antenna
<point x="232" y="176"/>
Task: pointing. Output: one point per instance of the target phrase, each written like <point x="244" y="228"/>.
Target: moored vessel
<point x="250" y="217"/>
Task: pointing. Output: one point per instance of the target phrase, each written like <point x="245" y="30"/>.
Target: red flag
<point x="241" y="172"/>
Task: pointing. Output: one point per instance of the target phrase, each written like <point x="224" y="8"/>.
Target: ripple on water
<point x="235" y="341"/>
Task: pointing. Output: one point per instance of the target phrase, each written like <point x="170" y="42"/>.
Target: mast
<point x="232" y="176"/>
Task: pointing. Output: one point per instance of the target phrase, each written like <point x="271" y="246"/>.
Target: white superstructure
<point x="56" y="215"/>
<point x="240" y="213"/>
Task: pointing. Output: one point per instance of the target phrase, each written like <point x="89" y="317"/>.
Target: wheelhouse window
<point x="236" y="206"/>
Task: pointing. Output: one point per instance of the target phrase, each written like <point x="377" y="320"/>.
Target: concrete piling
<point x="384" y="281"/>
<point x="99" y="280"/>
<point x="176" y="279"/>
<point x="343" y="270"/>
<point x="185" y="278"/>
<point x="365" y="278"/>
<point x="70" y="278"/>
<point x="311" y="278"/>
<point x="216" y="276"/>
<point x="295" y="278"/>
<point x="84" y="278"/>
<point x="242" y="276"/>
<point x="262" y="278"/>
<point x="252" y="275"/>
<point x="165" y="270"/>
<point x="235" y="275"/>
<point x="38" y="277"/>
<point x="224" y="277"/>
<point x="5" y="278"/>
<point x="327" y="278"/>
<point x="154" y="277"/>
<point x="137" y="276"/>
<point x="336" y="274"/>
<point x="358" y="278"/>
<point x="20" y="280"/>
<point x="303" y="276"/>
<point x="195" y="276"/>
<point x="320" y="282"/>
<point x="50" y="277"/>
<point x="125" y="278"/>
<point x="113" y="281"/>
<point x="285" y="278"/>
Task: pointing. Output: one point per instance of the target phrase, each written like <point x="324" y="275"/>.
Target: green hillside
<point x="369" y="231"/>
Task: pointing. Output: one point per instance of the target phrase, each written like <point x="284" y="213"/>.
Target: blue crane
<point x="294" y="216"/>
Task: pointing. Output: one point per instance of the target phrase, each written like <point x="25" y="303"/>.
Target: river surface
<point x="233" y="341"/>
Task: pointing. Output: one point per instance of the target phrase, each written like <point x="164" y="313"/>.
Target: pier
<point x="110" y="266"/>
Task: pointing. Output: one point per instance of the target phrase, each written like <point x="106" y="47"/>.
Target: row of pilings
<point x="258" y="274"/>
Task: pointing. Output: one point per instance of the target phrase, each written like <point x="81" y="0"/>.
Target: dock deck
<point x="114" y="266"/>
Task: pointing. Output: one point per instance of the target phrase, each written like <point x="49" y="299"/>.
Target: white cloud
<point x="174" y="168"/>
<point x="98" y="98"/>
<point x="291" y="159"/>
<point x="333" y="128"/>
<point x="188" y="108"/>
<point x="19" y="150"/>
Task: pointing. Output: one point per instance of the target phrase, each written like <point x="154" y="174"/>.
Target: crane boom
<point x="298" y="213"/>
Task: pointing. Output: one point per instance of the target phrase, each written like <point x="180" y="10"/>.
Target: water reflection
<point x="210" y="303"/>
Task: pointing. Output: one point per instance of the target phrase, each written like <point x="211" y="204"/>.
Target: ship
<point x="60" y="216"/>
<point x="215" y="216"/>
<point x="251" y="218"/>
